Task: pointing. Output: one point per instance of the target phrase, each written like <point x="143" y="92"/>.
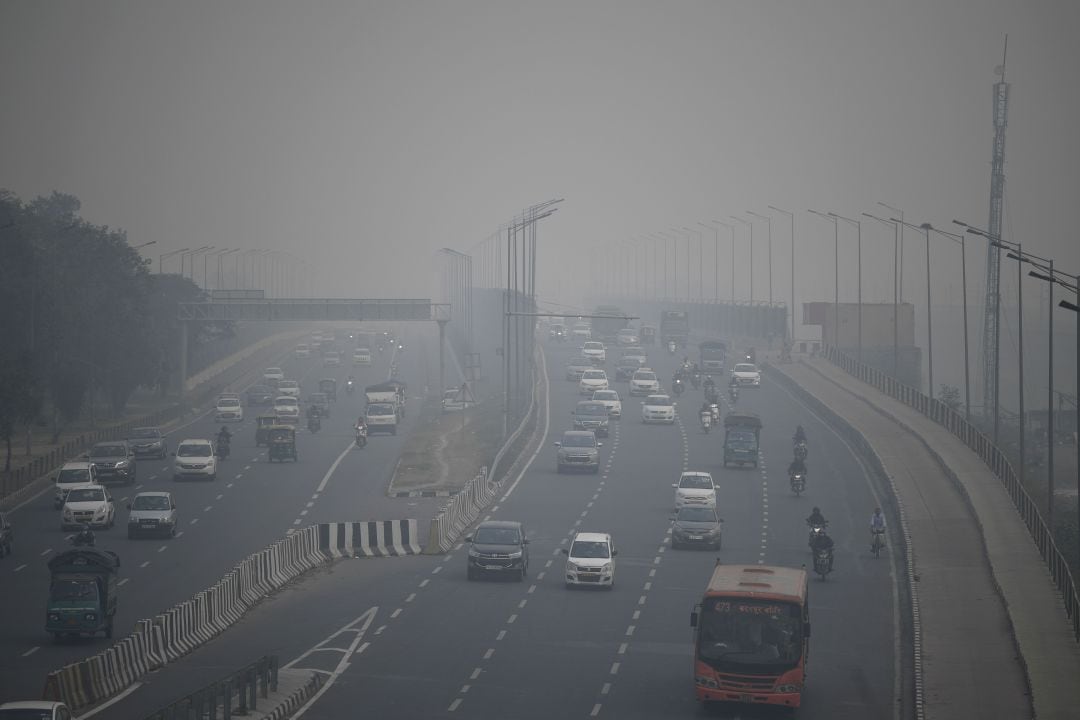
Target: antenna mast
<point x="992" y="312"/>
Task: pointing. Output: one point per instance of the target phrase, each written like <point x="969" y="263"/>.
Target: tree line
<point x="82" y="316"/>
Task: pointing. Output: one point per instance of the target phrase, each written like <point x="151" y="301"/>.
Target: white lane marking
<point x="489" y="653"/>
<point x="219" y="497"/>
<point x="424" y="582"/>
<point x="437" y="569"/>
<point x="354" y="648"/>
<point x="454" y="705"/>
<point x="511" y="619"/>
<point x="145" y="563"/>
<point x="111" y="702"/>
<point x="162" y="548"/>
<point x="326" y="477"/>
<point x="501" y="635"/>
<point x="123" y="581"/>
<point x="595" y="710"/>
<point x="412" y="596"/>
<point x="31" y="651"/>
<point x="208" y="508"/>
<point x="475" y="673"/>
<point x="193" y="521"/>
<point x="45" y="552"/>
<point x="396" y="612"/>
<point x="543" y="438"/>
<point x="180" y="533"/>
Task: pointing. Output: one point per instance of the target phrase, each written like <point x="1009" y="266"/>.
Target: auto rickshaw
<point x="262" y="424"/>
<point x="647" y="335"/>
<point x="329" y="386"/>
<point x="282" y="442"/>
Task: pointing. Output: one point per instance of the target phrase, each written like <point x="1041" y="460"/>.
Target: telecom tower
<point x="992" y="311"/>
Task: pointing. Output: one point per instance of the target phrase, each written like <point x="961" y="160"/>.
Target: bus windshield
<point x="749" y="636"/>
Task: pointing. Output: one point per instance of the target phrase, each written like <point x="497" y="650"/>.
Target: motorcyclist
<point x="224" y="436"/>
<point x="877" y="521"/>
<point x="816" y="519"/>
<point x="800" y="435"/>
<point x="823" y="543"/>
<point x="709" y="382"/>
<point x="797" y="467"/>
<point x="85" y="537"/>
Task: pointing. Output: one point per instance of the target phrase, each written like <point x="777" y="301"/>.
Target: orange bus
<point x="752" y="636"/>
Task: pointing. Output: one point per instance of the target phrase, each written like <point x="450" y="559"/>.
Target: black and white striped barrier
<point x="383" y="538"/>
<point x="459" y="513"/>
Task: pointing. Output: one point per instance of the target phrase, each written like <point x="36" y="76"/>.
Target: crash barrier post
<point x="382" y="538"/>
<point x="994" y="458"/>
<point x="246" y="685"/>
<point x="459" y="513"/>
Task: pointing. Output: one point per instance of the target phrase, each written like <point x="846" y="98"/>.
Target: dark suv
<point x="113" y="461"/>
<point x="499" y="547"/>
<point x="590" y="415"/>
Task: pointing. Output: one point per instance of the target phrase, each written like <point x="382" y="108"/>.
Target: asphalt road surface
<point x="412" y="638"/>
<point x="252" y="504"/>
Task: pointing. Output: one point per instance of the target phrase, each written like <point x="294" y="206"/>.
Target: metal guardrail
<point x="990" y="454"/>
<point x="246" y="685"/>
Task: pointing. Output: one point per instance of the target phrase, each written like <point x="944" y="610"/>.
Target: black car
<point x="590" y="415"/>
<point x="696" y="526"/>
<point x="626" y="370"/>
<point x="113" y="460"/>
<point x="148" y="441"/>
<point x="261" y="395"/>
<point x="7" y="535"/>
<point x="498" y="547"/>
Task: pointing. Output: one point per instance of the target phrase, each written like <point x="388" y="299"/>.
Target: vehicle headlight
<point x="705" y="681"/>
<point x="121" y="464"/>
<point x="606" y="568"/>
<point x="514" y="555"/>
<point x="90" y="616"/>
<point x="100" y="512"/>
<point x="67" y="513"/>
<point x="571" y="567"/>
<point x="168" y="520"/>
<point x="788" y="688"/>
<point x="473" y="553"/>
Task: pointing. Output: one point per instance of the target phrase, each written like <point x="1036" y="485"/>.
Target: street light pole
<point x="929" y="315"/>
<point x="701" y="275"/>
<point x="900" y="264"/>
<point x="731" y="228"/>
<point x="716" y="260"/>
<point x="963" y="283"/>
<point x="836" y="275"/>
<point x="791" y="217"/>
<point x="161" y="259"/>
<point x="858" y="229"/>
<point x="895" y="289"/>
<point x="768" y="225"/>
<point x="751" y="226"/>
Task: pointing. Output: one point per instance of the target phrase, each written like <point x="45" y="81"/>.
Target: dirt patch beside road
<point x="446" y="450"/>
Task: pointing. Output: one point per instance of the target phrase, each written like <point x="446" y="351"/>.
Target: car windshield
<point x="589" y="549"/>
<point x="150" y="502"/>
<point x="658" y="400"/>
<point x="73" y="590"/>
<point x="228" y="402"/>
<point x="86" y="495"/>
<point x="593" y="375"/>
<point x="644" y="376"/>
<point x="605" y="395"/>
<point x="740" y="440"/>
<point x="696" y="514"/>
<point x="272" y="371"/>
<point x="740" y="634"/>
<point x="145" y="434"/>
<point x="66" y="477"/>
<point x="581" y="441"/>
<point x="696" y="482"/>
<point x="746" y="368"/>
<point x="287" y="401"/>
<point x="107" y="451"/>
<point x="592" y="409"/>
<point x="497" y="536"/>
<point x="287" y="384"/>
<point x="199" y="450"/>
<point x="381" y="409"/>
<point x="594" y="346"/>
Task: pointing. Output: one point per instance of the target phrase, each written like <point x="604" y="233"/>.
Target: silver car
<point x="152" y="513"/>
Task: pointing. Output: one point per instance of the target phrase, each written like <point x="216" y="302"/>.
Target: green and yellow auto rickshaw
<point x="262" y="424"/>
<point x="281" y="440"/>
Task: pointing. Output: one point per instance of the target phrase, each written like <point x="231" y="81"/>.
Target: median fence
<point x="990" y="454"/>
<point x="184" y="627"/>
<point x="460" y="513"/>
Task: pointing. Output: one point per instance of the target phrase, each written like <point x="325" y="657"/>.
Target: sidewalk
<point x="994" y="637"/>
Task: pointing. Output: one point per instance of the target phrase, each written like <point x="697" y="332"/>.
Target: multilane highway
<point x="252" y="504"/>
<point x="412" y="638"/>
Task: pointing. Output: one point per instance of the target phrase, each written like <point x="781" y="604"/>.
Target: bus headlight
<point x="791" y="688"/>
<point x="704" y="681"/>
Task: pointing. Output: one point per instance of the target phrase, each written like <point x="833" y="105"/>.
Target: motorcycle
<point x="677" y="388"/>
<point x="706" y="420"/>
<point x="361" y="437"/>
<point x="801" y="451"/>
<point x="877" y="542"/>
<point x="816" y="532"/>
<point x="314" y="424"/>
<point x="798" y="483"/>
<point x="350" y="387"/>
<point x="84" y="538"/>
<point x="823" y="561"/>
<point x="733" y="393"/>
<point x="695" y="380"/>
<point x="715" y="410"/>
<point x="671" y="347"/>
<point x="222" y="449"/>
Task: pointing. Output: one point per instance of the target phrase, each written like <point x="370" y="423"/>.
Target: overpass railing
<point x="990" y="454"/>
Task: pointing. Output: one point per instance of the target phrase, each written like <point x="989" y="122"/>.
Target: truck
<point x="742" y="433"/>
<point x="605" y="328"/>
<point x="82" y="593"/>
<point x="674" y="326"/>
<point x="384" y="408"/>
<point x="713" y="356"/>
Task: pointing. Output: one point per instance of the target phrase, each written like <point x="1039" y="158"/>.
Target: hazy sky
<point x="362" y="135"/>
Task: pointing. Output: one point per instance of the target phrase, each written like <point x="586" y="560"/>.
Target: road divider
<point x="181" y="629"/>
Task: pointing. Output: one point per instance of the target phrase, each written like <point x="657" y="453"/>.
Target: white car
<point x="287" y="408"/>
<point x="695" y="489"/>
<point x="591" y="381"/>
<point x="361" y="356"/>
<point x="610" y="400"/>
<point x="590" y="560"/>
<point x="658" y="409"/>
<point x="746" y="375"/>
<point x="272" y="375"/>
<point x="627" y="337"/>
<point x="581" y="332"/>
<point x="303" y="350"/>
<point x="87" y="504"/>
<point x="636" y="354"/>
<point x="595" y="351"/>
<point x="195" y="459"/>
<point x="289" y="387"/>
<point x="34" y="709"/>
<point x="228" y="409"/>
<point x="644" y="382"/>
<point x="71" y="475"/>
<point x="332" y="359"/>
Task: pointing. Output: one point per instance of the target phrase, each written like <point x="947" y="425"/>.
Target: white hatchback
<point x="695" y="489"/>
<point x="590" y="560"/>
<point x="591" y="381"/>
<point x="610" y="400"/>
<point x="87" y="504"/>
<point x="287" y="408"/>
<point x="746" y="375"/>
<point x="644" y="382"/>
<point x="195" y="459"/>
<point x="595" y="351"/>
<point x="229" y="409"/>
<point x="658" y="409"/>
<point x="272" y="375"/>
